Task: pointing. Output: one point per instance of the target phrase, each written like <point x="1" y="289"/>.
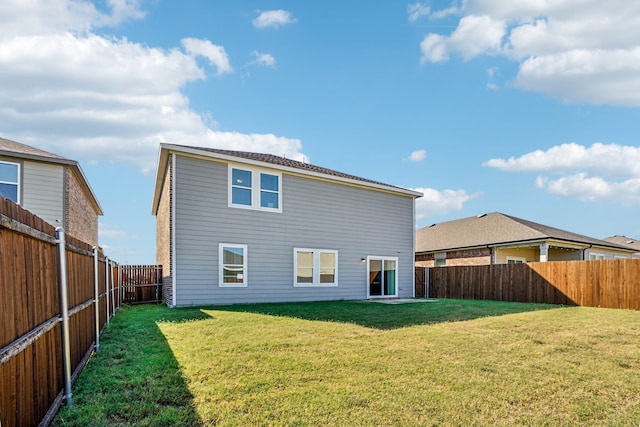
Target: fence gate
<point x="141" y="284"/>
<point x="421" y="282"/>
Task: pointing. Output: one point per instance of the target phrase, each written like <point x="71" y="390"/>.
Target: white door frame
<point x="383" y="259"/>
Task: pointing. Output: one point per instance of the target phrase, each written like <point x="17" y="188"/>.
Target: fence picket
<point x="603" y="283"/>
<point x="31" y="363"/>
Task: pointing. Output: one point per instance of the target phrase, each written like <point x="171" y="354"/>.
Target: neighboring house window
<point x="315" y="267"/>
<point x="254" y="189"/>
<point x="441" y="262"/>
<point x="514" y="260"/>
<point x="10" y="181"/>
<point x="595" y="257"/>
<point x="233" y="264"/>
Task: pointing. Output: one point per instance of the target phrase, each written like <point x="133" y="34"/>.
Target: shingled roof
<point x="624" y="241"/>
<point x="495" y="229"/>
<point x="290" y="163"/>
<point x="15" y="149"/>
<point x="267" y="161"/>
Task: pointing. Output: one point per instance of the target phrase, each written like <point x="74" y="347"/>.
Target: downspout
<point x="584" y="252"/>
<point x="490" y="254"/>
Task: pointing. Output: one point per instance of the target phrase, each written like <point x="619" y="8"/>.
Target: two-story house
<point x="239" y="227"/>
<point x="51" y="187"/>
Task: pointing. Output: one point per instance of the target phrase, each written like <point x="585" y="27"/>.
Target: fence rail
<point x="606" y="283"/>
<point x="32" y="356"/>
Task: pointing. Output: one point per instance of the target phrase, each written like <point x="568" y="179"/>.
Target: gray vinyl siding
<point x="316" y="214"/>
<point x="43" y="191"/>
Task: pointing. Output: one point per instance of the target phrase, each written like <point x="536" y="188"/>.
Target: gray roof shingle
<point x="290" y="163"/>
<point x="493" y="229"/>
<point x="16" y="149"/>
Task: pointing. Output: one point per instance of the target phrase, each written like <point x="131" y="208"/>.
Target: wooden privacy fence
<point x="141" y="283"/>
<point x="606" y="283"/>
<point x="47" y="334"/>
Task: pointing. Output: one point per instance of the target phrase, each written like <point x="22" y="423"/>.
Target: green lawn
<point x="450" y="362"/>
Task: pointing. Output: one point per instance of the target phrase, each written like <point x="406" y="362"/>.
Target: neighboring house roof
<point x="625" y="241"/>
<point x="269" y="161"/>
<point x="494" y="229"/>
<point x="17" y="150"/>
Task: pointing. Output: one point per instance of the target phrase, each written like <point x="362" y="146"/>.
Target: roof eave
<point x="291" y="170"/>
<point x="582" y="245"/>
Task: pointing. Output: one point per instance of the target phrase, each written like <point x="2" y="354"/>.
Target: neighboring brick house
<point x="238" y="227"/>
<point x="497" y="238"/>
<point x="51" y="187"/>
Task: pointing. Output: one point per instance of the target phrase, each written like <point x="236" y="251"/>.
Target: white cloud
<point x="433" y="49"/>
<point x="216" y="55"/>
<point x="438" y="202"/>
<point x="607" y="159"/>
<point x="107" y="231"/>
<point x="274" y="19"/>
<point x="98" y="98"/>
<point x="593" y="189"/>
<point x="33" y="17"/>
<point x="600" y="173"/>
<point x="585" y="53"/>
<point x="418" y="156"/>
<point x="264" y="59"/>
<point x="417" y="10"/>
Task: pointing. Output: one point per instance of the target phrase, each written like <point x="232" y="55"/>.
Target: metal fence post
<point x="64" y="313"/>
<point x="96" y="300"/>
<point x="119" y="286"/>
<point x="113" y="290"/>
<point x="106" y="283"/>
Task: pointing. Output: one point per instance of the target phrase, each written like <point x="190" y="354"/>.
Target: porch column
<point x="544" y="252"/>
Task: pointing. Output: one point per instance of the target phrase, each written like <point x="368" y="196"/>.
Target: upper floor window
<point x="10" y="181"/>
<point x="255" y="189"/>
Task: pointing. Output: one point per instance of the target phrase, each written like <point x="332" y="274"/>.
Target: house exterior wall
<point x="607" y="253"/>
<point x="163" y="235"/>
<point x="43" y="190"/>
<point x="355" y="221"/>
<point x="530" y="254"/>
<point x="479" y="256"/>
<point x="558" y="254"/>
<point x="81" y="218"/>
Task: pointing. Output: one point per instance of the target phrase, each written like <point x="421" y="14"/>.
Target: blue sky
<point x="527" y="108"/>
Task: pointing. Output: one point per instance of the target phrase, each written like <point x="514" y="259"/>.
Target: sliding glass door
<point x="382" y="276"/>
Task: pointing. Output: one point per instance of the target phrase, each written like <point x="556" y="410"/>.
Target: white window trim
<point x="316" y="268"/>
<point x="221" y="283"/>
<point x="17" y="183"/>
<point x="597" y="256"/>
<point x="516" y="258"/>
<point x="255" y="188"/>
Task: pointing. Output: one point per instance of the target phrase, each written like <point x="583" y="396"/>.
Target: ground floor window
<point x="315" y="267"/>
<point x="516" y="260"/>
<point x="595" y="257"/>
<point x="233" y="264"/>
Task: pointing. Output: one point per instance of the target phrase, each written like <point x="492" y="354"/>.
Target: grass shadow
<point x="134" y="379"/>
<point x="388" y="316"/>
